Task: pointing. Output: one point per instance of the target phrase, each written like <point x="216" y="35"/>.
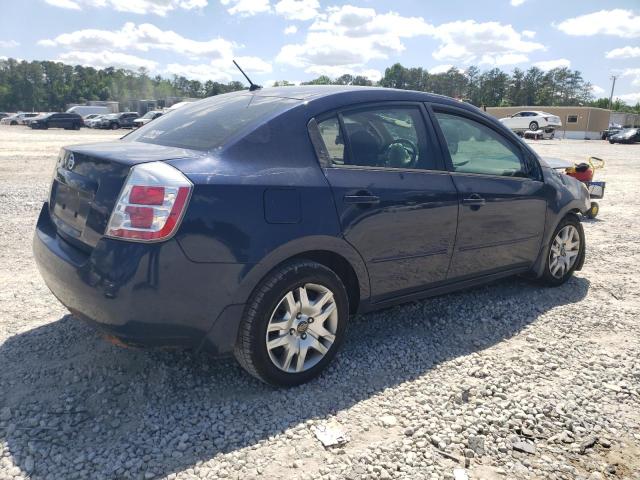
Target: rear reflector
<point x="151" y="203"/>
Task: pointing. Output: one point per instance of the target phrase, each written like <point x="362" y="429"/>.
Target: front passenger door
<point x="501" y="193"/>
<point x="396" y="203"/>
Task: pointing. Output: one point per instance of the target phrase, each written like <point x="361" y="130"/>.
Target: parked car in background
<point x="605" y="134"/>
<point x="68" y="121"/>
<point x="117" y="120"/>
<point x="4" y="115"/>
<point x="18" y="118"/>
<point x="628" y="135"/>
<point x="146" y="118"/>
<point x="84" y="110"/>
<point x="531" y="120"/>
<point x="255" y="223"/>
<point x="93" y="122"/>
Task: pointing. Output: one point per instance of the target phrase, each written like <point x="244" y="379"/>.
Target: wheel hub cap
<point x="302" y="328"/>
<point x="564" y="251"/>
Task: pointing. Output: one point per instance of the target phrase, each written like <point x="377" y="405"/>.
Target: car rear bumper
<point x="142" y="294"/>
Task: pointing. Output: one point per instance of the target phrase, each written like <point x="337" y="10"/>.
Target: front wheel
<point x="566" y="249"/>
<point x="293" y="324"/>
<point x="114" y="126"/>
<point x="533" y="126"/>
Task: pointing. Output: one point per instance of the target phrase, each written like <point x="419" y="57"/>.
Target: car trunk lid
<point x="87" y="181"/>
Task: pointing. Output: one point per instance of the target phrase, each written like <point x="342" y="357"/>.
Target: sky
<point x="298" y="40"/>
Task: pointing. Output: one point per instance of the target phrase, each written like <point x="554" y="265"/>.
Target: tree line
<point x="51" y="86"/>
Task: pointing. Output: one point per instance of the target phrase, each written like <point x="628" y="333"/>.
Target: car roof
<point x="309" y="92"/>
<point x="326" y="97"/>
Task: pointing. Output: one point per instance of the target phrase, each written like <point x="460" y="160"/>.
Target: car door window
<point x="390" y="137"/>
<point x="476" y="148"/>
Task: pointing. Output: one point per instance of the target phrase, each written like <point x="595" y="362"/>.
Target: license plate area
<point x="70" y="208"/>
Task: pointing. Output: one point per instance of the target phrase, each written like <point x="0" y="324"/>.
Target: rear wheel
<point x="567" y="247"/>
<point x="533" y="126"/>
<point x="293" y="324"/>
<point x="76" y="126"/>
<point x="114" y="126"/>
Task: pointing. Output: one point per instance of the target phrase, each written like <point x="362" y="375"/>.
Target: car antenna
<point x="252" y="86"/>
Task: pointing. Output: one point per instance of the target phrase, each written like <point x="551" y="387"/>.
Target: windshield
<point x="209" y="123"/>
<point x="149" y="114"/>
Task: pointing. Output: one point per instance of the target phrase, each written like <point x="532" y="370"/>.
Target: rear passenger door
<point x="502" y="195"/>
<point x="397" y="205"/>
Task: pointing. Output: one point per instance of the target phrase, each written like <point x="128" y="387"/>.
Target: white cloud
<point x="634" y="73"/>
<point x="8" y="44"/>
<point x="102" y="48"/>
<point x="487" y="43"/>
<point x="440" y="69"/>
<point x="630" y="98"/>
<point x="345" y="39"/>
<point x="143" y="37"/>
<point x="107" y="59"/>
<point x="597" y="90"/>
<point x="528" y="33"/>
<point x="70" y="4"/>
<point x="297" y="9"/>
<point x="517" y="3"/>
<point x="142" y="7"/>
<point x="246" y="8"/>
<point x="219" y="70"/>
<point x="624" y="52"/>
<point x="617" y="22"/>
<point x="290" y="30"/>
<point x="551" y="64"/>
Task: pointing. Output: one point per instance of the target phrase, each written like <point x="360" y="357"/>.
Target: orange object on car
<point x="582" y="172"/>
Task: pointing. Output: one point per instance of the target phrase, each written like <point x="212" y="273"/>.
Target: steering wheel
<point x="400" y="153"/>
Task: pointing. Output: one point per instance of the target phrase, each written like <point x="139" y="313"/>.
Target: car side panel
<point x="227" y="220"/>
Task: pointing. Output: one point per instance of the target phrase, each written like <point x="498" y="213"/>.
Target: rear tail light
<point x="151" y="203"/>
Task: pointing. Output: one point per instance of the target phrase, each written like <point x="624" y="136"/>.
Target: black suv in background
<point x="118" y="120"/>
<point x="68" y="121"/>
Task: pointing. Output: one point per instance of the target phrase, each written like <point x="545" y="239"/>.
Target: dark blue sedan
<point x="255" y="223"/>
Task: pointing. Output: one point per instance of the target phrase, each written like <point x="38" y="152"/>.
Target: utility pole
<point x="613" y="85"/>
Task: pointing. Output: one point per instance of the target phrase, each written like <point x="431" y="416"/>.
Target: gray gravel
<point x="506" y="381"/>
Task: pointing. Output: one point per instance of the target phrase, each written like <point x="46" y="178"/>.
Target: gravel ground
<point x="506" y="381"/>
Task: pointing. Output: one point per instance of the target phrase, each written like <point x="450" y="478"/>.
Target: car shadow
<point x="70" y="397"/>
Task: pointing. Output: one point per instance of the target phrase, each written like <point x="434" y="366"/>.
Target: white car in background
<point x="531" y="120"/>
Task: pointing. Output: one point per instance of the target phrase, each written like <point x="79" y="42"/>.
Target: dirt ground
<point x="511" y="362"/>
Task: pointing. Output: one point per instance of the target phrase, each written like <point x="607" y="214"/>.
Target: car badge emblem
<point x="71" y="162"/>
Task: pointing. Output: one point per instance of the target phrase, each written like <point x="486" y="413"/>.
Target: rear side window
<point x="209" y="123"/>
<point x="392" y="137"/>
<point x="476" y="148"/>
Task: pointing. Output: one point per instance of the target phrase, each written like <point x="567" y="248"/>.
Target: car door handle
<point x="473" y="200"/>
<point x="362" y="199"/>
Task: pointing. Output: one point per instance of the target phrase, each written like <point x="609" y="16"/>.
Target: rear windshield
<point x="209" y="123"/>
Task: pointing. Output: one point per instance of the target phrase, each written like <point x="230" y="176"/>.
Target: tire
<point x="276" y="302"/>
<point x="13" y="123"/>
<point x="553" y="275"/>
<point x="533" y="126"/>
<point x="593" y="211"/>
<point x="114" y="126"/>
<point x="76" y="126"/>
<point x="611" y="142"/>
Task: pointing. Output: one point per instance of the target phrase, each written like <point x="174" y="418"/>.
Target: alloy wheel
<point x="564" y="251"/>
<point x="302" y="328"/>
